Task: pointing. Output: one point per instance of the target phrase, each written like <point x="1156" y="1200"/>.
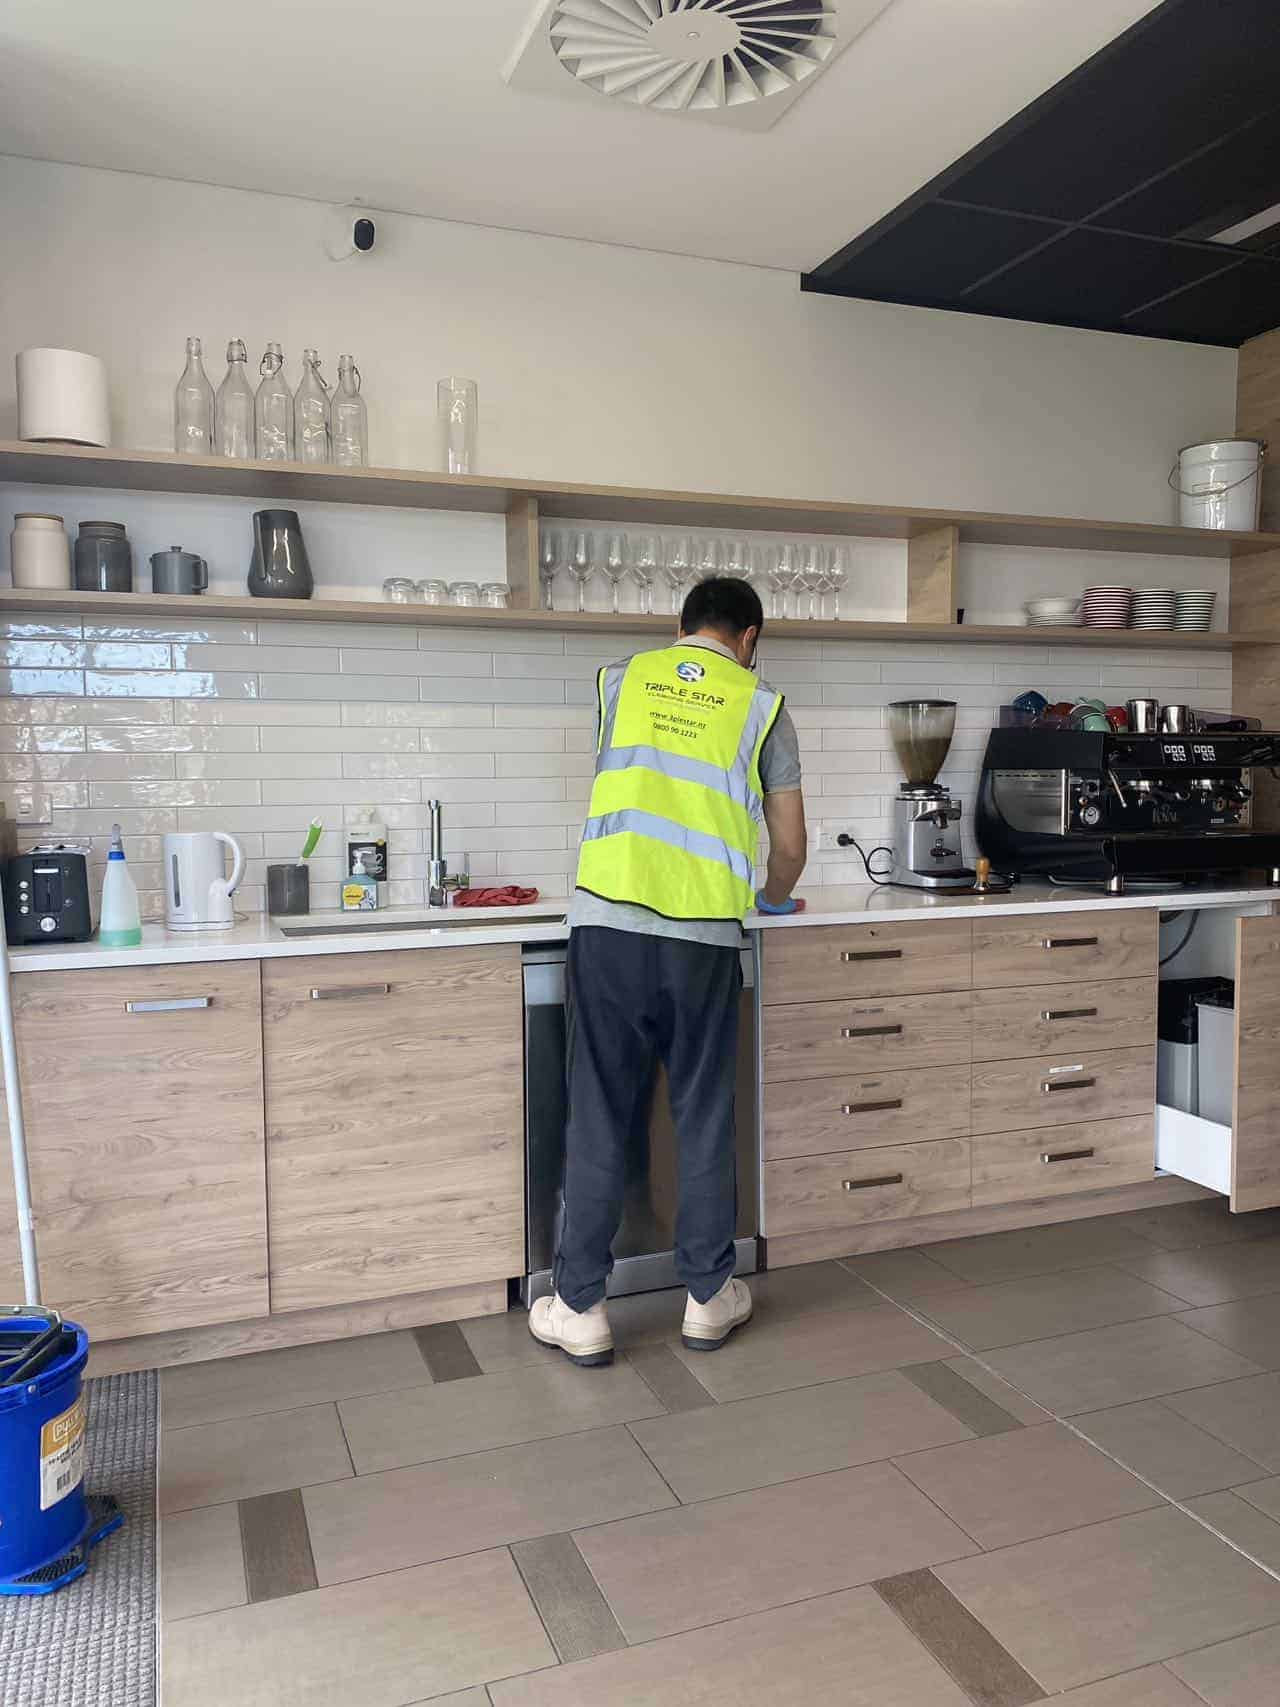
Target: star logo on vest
<point x="688" y="671"/>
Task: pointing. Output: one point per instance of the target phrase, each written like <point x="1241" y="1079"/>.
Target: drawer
<point x="1053" y="1090"/>
<point x="1065" y="947"/>
<point x="820" y="1040"/>
<point x="819" y="963"/>
<point x="1063" y="1019"/>
<point x="1088" y="1155"/>
<point x="856" y="1112"/>
<point x="810" y="1194"/>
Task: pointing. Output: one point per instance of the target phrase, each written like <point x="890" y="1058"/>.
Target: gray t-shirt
<point x="779" y="774"/>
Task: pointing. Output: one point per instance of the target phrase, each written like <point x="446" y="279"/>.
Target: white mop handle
<point x="17" y="1130"/>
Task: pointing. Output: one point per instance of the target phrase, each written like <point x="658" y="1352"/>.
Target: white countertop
<point x="257" y="937"/>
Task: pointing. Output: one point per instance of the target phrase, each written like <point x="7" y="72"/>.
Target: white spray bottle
<point x="121" y="924"/>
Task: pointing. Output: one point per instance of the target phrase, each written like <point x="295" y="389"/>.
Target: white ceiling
<point x="402" y="104"/>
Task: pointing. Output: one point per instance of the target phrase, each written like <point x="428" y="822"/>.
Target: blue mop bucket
<point x="47" y="1526"/>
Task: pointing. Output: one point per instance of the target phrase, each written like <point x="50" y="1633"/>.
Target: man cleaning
<point x="693" y="749"/>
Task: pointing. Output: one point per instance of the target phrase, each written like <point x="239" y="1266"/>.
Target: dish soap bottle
<point x="359" y="891"/>
<point x="121" y="924"/>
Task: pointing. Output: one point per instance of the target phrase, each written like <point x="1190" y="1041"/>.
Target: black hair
<point x="724" y="603"/>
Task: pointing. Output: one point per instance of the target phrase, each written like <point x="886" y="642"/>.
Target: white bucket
<point x="1219" y="484"/>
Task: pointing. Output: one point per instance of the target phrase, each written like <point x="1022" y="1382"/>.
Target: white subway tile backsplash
<point x="257" y="727"/>
<point x="175" y="684"/>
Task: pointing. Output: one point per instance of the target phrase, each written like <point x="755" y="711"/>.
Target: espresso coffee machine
<point x="1083" y="807"/>
<point x="925" y="842"/>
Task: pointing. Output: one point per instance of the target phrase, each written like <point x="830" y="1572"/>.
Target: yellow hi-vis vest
<point x="675" y="810"/>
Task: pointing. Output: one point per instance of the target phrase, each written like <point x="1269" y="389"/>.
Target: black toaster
<point x="46" y="896"/>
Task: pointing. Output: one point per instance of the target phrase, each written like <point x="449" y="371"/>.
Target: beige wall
<point x="601" y="363"/>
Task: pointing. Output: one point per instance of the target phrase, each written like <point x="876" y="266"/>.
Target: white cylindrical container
<point x="62" y="397"/>
<point x="1219" y="484"/>
<point x="39" y="551"/>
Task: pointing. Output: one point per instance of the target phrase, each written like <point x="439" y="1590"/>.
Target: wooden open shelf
<point x="127" y="607"/>
<point x="163" y="471"/>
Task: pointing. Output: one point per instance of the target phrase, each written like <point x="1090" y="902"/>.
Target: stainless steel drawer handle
<point x="871" y="1031"/>
<point x="869" y="1184"/>
<point x="1048" y="1085"/>
<point x="340" y="992"/>
<point x="1066" y="1155"/>
<point x="173" y="1005"/>
<point x="1069" y="942"/>
<point x="869" y="1107"/>
<point x="850" y="955"/>
<point x="1069" y="1013"/>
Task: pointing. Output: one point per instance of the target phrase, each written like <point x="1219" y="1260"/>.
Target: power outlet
<point x="30" y="806"/>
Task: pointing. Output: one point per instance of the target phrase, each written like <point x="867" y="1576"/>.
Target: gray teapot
<point x="279" y="567"/>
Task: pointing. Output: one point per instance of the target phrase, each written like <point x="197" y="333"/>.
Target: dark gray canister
<point x="103" y="558"/>
<point x="279" y="568"/>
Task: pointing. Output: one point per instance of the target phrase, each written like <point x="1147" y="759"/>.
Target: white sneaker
<point x="707" y="1326"/>
<point x="584" y="1337"/>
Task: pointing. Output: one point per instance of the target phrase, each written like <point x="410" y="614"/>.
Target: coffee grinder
<point x="925" y="842"/>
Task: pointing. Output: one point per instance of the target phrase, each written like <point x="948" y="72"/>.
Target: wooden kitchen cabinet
<point x="142" y="1092"/>
<point x="826" y="962"/>
<point x="1065" y="947"/>
<point x="394" y="1123"/>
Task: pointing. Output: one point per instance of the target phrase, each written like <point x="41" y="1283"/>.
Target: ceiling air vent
<point x="740" y="62"/>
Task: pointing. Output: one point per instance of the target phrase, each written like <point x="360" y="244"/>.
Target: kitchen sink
<point x="447" y="921"/>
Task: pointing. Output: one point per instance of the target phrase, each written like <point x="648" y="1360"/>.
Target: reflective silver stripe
<point x="673" y="835"/>
<point x="668" y="764"/>
<point x="762" y="708"/>
<point x="611" y="679"/>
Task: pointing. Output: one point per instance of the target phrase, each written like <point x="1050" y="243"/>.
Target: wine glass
<point x="645" y="563"/>
<point x="582" y="564"/>
<point x="710" y="559"/>
<point x="737" y="560"/>
<point x="785" y="578"/>
<point x="677" y="569"/>
<point x="615" y="566"/>
<point x="837" y="575"/>
<point x="813" y="578"/>
<point x="550" y="557"/>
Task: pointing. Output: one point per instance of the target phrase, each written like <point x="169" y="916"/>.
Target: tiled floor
<point x="1035" y="1466"/>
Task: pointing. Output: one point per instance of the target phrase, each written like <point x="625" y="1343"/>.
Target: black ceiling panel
<point x="1093" y="207"/>
<point x="1219" y="186"/>
<point x="1094" y="278"/>
<point x="1247" y="298"/>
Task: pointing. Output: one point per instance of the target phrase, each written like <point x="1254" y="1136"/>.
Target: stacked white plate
<point x="1052" y="613"/>
<point x="1154" y="607"/>
<point x="1194" y="609"/>
<point x="1106" y="607"/>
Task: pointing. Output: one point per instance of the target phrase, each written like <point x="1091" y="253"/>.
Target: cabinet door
<point x="1255" y="1151"/>
<point x="394" y="1123"/>
<point x="142" y="1088"/>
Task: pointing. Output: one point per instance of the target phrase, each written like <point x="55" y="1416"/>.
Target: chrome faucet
<point x="440" y="884"/>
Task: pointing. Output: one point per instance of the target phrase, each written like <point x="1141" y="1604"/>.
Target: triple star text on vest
<point x="693" y="696"/>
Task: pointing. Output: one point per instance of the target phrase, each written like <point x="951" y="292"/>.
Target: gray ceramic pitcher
<point x="279" y="568"/>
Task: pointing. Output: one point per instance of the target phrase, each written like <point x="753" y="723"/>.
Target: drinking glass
<point x="458" y="408"/>
<point x="812" y="580"/>
<point x="678" y="568"/>
<point x="582" y="564"/>
<point x="550" y="557"/>
<point x="433" y="592"/>
<point x="786" y="578"/>
<point x="646" y="560"/>
<point x="464" y="593"/>
<point x="710" y="559"/>
<point x="495" y="594"/>
<point x="737" y="559"/>
<point x="397" y="590"/>
<point x="837" y="576"/>
<point x="615" y="566"/>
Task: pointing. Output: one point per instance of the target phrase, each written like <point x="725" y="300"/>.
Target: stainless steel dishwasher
<point x="643" y="1256"/>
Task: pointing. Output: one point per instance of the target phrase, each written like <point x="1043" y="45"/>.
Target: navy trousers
<point x="633" y="999"/>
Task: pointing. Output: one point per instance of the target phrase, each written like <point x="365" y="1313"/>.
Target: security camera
<point x="348" y="231"/>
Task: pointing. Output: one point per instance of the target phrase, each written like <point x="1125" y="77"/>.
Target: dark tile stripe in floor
<point x="675" y="1386"/>
<point x="277" y="1546"/>
<point x="445" y="1352"/>
<point x="965" y="1402"/>
<point x="575" y="1613"/>
<point x="988" y="1673"/>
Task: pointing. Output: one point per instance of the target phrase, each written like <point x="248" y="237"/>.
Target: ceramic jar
<point x="39" y="552"/>
<point x="103" y="558"/>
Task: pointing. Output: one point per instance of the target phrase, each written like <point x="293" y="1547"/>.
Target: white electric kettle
<point x="197" y="890"/>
